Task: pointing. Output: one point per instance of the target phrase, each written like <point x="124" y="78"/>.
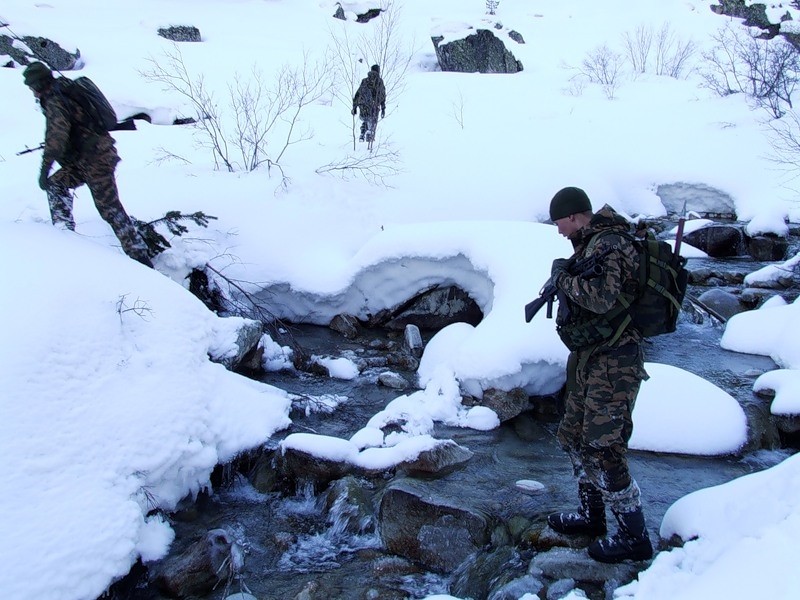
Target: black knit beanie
<point x="375" y="68"/>
<point x="568" y="201"/>
<point x="37" y="76"/>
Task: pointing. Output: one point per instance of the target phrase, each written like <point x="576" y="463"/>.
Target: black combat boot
<point x="589" y="519"/>
<point x="631" y="542"/>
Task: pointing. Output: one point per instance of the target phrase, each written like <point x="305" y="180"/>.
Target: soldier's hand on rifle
<point x="558" y="269"/>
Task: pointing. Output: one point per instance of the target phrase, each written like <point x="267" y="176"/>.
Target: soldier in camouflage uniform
<point x="604" y="371"/>
<point x="86" y="155"/>
<point x="370" y="98"/>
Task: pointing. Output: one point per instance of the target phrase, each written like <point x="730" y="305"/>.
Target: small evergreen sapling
<point x="157" y="243"/>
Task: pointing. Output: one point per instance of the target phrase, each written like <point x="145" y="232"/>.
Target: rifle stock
<point x="546" y="296"/>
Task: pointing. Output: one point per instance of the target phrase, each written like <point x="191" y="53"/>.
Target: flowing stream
<point x="299" y="547"/>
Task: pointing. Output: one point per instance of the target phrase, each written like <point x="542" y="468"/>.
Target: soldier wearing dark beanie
<point x="569" y="201"/>
<point x="605" y="369"/>
<point x="38" y="77"/>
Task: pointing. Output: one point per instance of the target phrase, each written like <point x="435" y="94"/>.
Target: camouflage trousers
<point x="369" y="123"/>
<point x="594" y="431"/>
<point x="98" y="175"/>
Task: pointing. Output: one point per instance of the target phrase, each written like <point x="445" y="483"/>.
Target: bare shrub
<point x="661" y="52"/>
<point x="785" y="143"/>
<point x="637" y="47"/>
<point x="672" y="54"/>
<point x="457" y="110"/>
<point x="258" y="116"/>
<point x="603" y="66"/>
<point x="767" y="71"/>
<point x="140" y="308"/>
<point x="376" y="167"/>
<point x="172" y="72"/>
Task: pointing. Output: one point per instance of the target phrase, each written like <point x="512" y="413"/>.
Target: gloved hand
<point x="354" y="111"/>
<point x="43" y="175"/>
<point x="558" y="269"/>
<point x="383" y="113"/>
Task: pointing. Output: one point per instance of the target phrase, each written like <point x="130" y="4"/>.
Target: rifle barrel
<point x="29" y="150"/>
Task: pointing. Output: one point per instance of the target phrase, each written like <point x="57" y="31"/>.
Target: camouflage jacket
<point x="68" y="139"/>
<point x="588" y="298"/>
<point x="371" y="94"/>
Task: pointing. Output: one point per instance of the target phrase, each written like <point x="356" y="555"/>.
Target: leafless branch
<point x="245" y="304"/>
<point x="375" y="167"/>
<point x="767" y="71"/>
<point x="139" y="308"/>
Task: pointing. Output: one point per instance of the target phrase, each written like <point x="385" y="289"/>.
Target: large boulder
<point x="767" y="247"/>
<point x="180" y="33"/>
<point x="721" y="302"/>
<point x="247" y="338"/>
<point x="718" y="240"/>
<point x="296" y="468"/>
<point x="435" y="532"/>
<point x="507" y="404"/>
<point x="481" y="51"/>
<point x="356" y="11"/>
<point x="198" y="570"/>
<point x="705" y="201"/>
<point x="754" y="15"/>
<point x="432" y="310"/>
<point x="28" y="49"/>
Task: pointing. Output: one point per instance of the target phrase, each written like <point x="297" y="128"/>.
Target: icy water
<point x="295" y="548"/>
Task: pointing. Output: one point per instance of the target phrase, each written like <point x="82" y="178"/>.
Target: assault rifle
<point x="127" y="125"/>
<point x="29" y="150"/>
<point x="586" y="268"/>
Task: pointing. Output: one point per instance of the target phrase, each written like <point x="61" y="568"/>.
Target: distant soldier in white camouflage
<point x="604" y="372"/>
<point x="86" y="154"/>
<point x="370" y="99"/>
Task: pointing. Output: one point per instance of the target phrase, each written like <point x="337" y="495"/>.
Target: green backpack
<point x="652" y="305"/>
<point x="661" y="286"/>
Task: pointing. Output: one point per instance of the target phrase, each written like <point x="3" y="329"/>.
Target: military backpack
<point x="100" y="115"/>
<point x="651" y="306"/>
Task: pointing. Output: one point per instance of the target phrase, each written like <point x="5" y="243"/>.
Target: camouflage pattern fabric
<point x="597" y="423"/>
<point x="587" y="298"/>
<point x="60" y="200"/>
<point x="368" y="127"/>
<point x="85" y="158"/>
<point x="602" y="380"/>
<point x="370" y="96"/>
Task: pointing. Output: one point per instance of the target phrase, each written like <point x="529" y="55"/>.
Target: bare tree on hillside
<point x="767" y="71"/>
<point x="661" y="52"/>
<point x="257" y="117"/>
<point x="603" y="66"/>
